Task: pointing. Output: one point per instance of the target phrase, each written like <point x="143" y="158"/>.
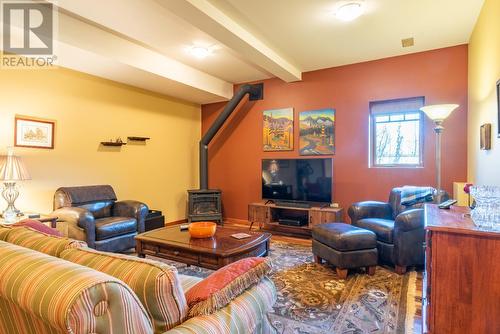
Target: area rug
<point x="312" y="299"/>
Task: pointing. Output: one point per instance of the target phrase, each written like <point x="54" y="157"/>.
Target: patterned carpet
<point x="311" y="298"/>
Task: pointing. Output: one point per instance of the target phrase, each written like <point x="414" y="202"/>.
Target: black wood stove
<point x="205" y="204"/>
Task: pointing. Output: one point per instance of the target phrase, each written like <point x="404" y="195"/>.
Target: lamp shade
<point x="12" y="168"/>
<point x="439" y="112"/>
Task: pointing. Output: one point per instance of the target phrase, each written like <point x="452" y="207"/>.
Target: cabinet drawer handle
<point x="176" y="253"/>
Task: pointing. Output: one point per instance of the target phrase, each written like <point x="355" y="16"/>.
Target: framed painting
<point x="498" y="108"/>
<point x="317" y="132"/>
<point x="34" y="133"/>
<point x="485" y="140"/>
<point x="278" y="130"/>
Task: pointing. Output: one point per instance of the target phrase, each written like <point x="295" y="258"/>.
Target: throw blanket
<point x="411" y="195"/>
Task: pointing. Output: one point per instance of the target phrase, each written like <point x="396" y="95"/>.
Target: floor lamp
<point x="12" y="170"/>
<point x="438" y="113"/>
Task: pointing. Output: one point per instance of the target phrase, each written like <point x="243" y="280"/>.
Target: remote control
<point x="184" y="227"/>
<point x="447" y="204"/>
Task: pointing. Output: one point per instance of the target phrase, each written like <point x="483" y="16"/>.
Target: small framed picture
<point x="34" y="133"/>
<point x="485" y="141"/>
<point x="278" y="130"/>
<point x="317" y="132"/>
<point x="498" y="108"/>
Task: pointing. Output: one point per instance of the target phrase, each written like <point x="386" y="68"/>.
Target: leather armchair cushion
<point x="344" y="237"/>
<point x="78" y="196"/>
<point x="132" y="209"/>
<point x="114" y="226"/>
<point x="383" y="228"/>
<point x="101" y="209"/>
<point x="369" y="209"/>
<point x="397" y="208"/>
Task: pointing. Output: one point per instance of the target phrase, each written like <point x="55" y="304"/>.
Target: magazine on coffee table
<point x="240" y="235"/>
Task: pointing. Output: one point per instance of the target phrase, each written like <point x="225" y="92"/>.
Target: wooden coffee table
<point x="213" y="253"/>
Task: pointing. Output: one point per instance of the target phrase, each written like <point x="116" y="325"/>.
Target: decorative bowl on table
<point x="201" y="230"/>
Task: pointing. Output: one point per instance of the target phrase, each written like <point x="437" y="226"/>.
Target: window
<point x="397" y="133"/>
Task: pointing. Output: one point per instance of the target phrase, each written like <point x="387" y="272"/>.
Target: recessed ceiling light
<point x="200" y="52"/>
<point x="350" y="11"/>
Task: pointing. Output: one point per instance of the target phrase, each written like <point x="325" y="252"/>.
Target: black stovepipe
<point x="255" y="92"/>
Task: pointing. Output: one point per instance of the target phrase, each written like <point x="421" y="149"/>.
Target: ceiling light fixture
<point x="349" y="12"/>
<point x="200" y="52"/>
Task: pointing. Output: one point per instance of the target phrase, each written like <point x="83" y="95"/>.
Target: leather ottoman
<point x="345" y="246"/>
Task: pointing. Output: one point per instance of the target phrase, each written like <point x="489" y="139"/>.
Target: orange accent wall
<point x="440" y="75"/>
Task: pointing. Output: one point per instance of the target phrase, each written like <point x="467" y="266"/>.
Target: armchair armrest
<point x="80" y="217"/>
<point x="369" y="209"/>
<point x="132" y="209"/>
<point x="409" y="220"/>
<point x="409" y="237"/>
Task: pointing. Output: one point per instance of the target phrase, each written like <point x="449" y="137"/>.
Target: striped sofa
<point x="58" y="285"/>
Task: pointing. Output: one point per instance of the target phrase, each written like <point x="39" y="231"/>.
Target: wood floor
<point x="417" y="323"/>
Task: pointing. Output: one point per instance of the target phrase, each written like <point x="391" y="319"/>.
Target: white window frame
<point x="396" y="107"/>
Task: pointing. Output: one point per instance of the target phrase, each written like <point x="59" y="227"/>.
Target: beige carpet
<point x="312" y="299"/>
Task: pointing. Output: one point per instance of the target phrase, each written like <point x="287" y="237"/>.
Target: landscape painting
<point x="317" y="132"/>
<point x="278" y="130"/>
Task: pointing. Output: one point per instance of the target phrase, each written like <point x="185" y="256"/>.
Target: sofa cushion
<point x="38" y="226"/>
<point x="187" y="282"/>
<point x="107" y="228"/>
<point x="156" y="284"/>
<point x="41" y="242"/>
<point x="43" y="294"/>
<point x="247" y="313"/>
<point x="344" y="237"/>
<point x="227" y="283"/>
<point x="383" y="228"/>
<point x="4" y="232"/>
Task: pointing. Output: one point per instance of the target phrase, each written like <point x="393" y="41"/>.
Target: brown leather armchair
<point x="93" y="214"/>
<point x="399" y="229"/>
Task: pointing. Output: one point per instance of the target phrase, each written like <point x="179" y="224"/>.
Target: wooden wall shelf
<point x="111" y="143"/>
<point x="265" y="215"/>
<point x="138" y="138"/>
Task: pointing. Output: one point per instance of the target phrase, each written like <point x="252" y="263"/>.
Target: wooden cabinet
<point x="326" y="215"/>
<point x="315" y="217"/>
<point x="461" y="292"/>
<point x="330" y="216"/>
<point x="258" y="214"/>
<point x="267" y="215"/>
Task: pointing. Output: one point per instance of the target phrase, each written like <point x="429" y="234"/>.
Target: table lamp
<point x="12" y="170"/>
<point x="438" y="113"/>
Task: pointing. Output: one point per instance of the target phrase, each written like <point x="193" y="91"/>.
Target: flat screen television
<point x="301" y="180"/>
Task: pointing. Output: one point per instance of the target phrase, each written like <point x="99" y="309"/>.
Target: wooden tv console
<point x="266" y="216"/>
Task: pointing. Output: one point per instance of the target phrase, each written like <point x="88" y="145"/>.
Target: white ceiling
<point x="144" y="42"/>
<point x="309" y="33"/>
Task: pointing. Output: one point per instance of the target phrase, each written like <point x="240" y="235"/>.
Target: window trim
<point x="372" y="134"/>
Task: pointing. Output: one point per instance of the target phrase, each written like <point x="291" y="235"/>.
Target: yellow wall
<point x="484" y="71"/>
<point x="89" y="110"/>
